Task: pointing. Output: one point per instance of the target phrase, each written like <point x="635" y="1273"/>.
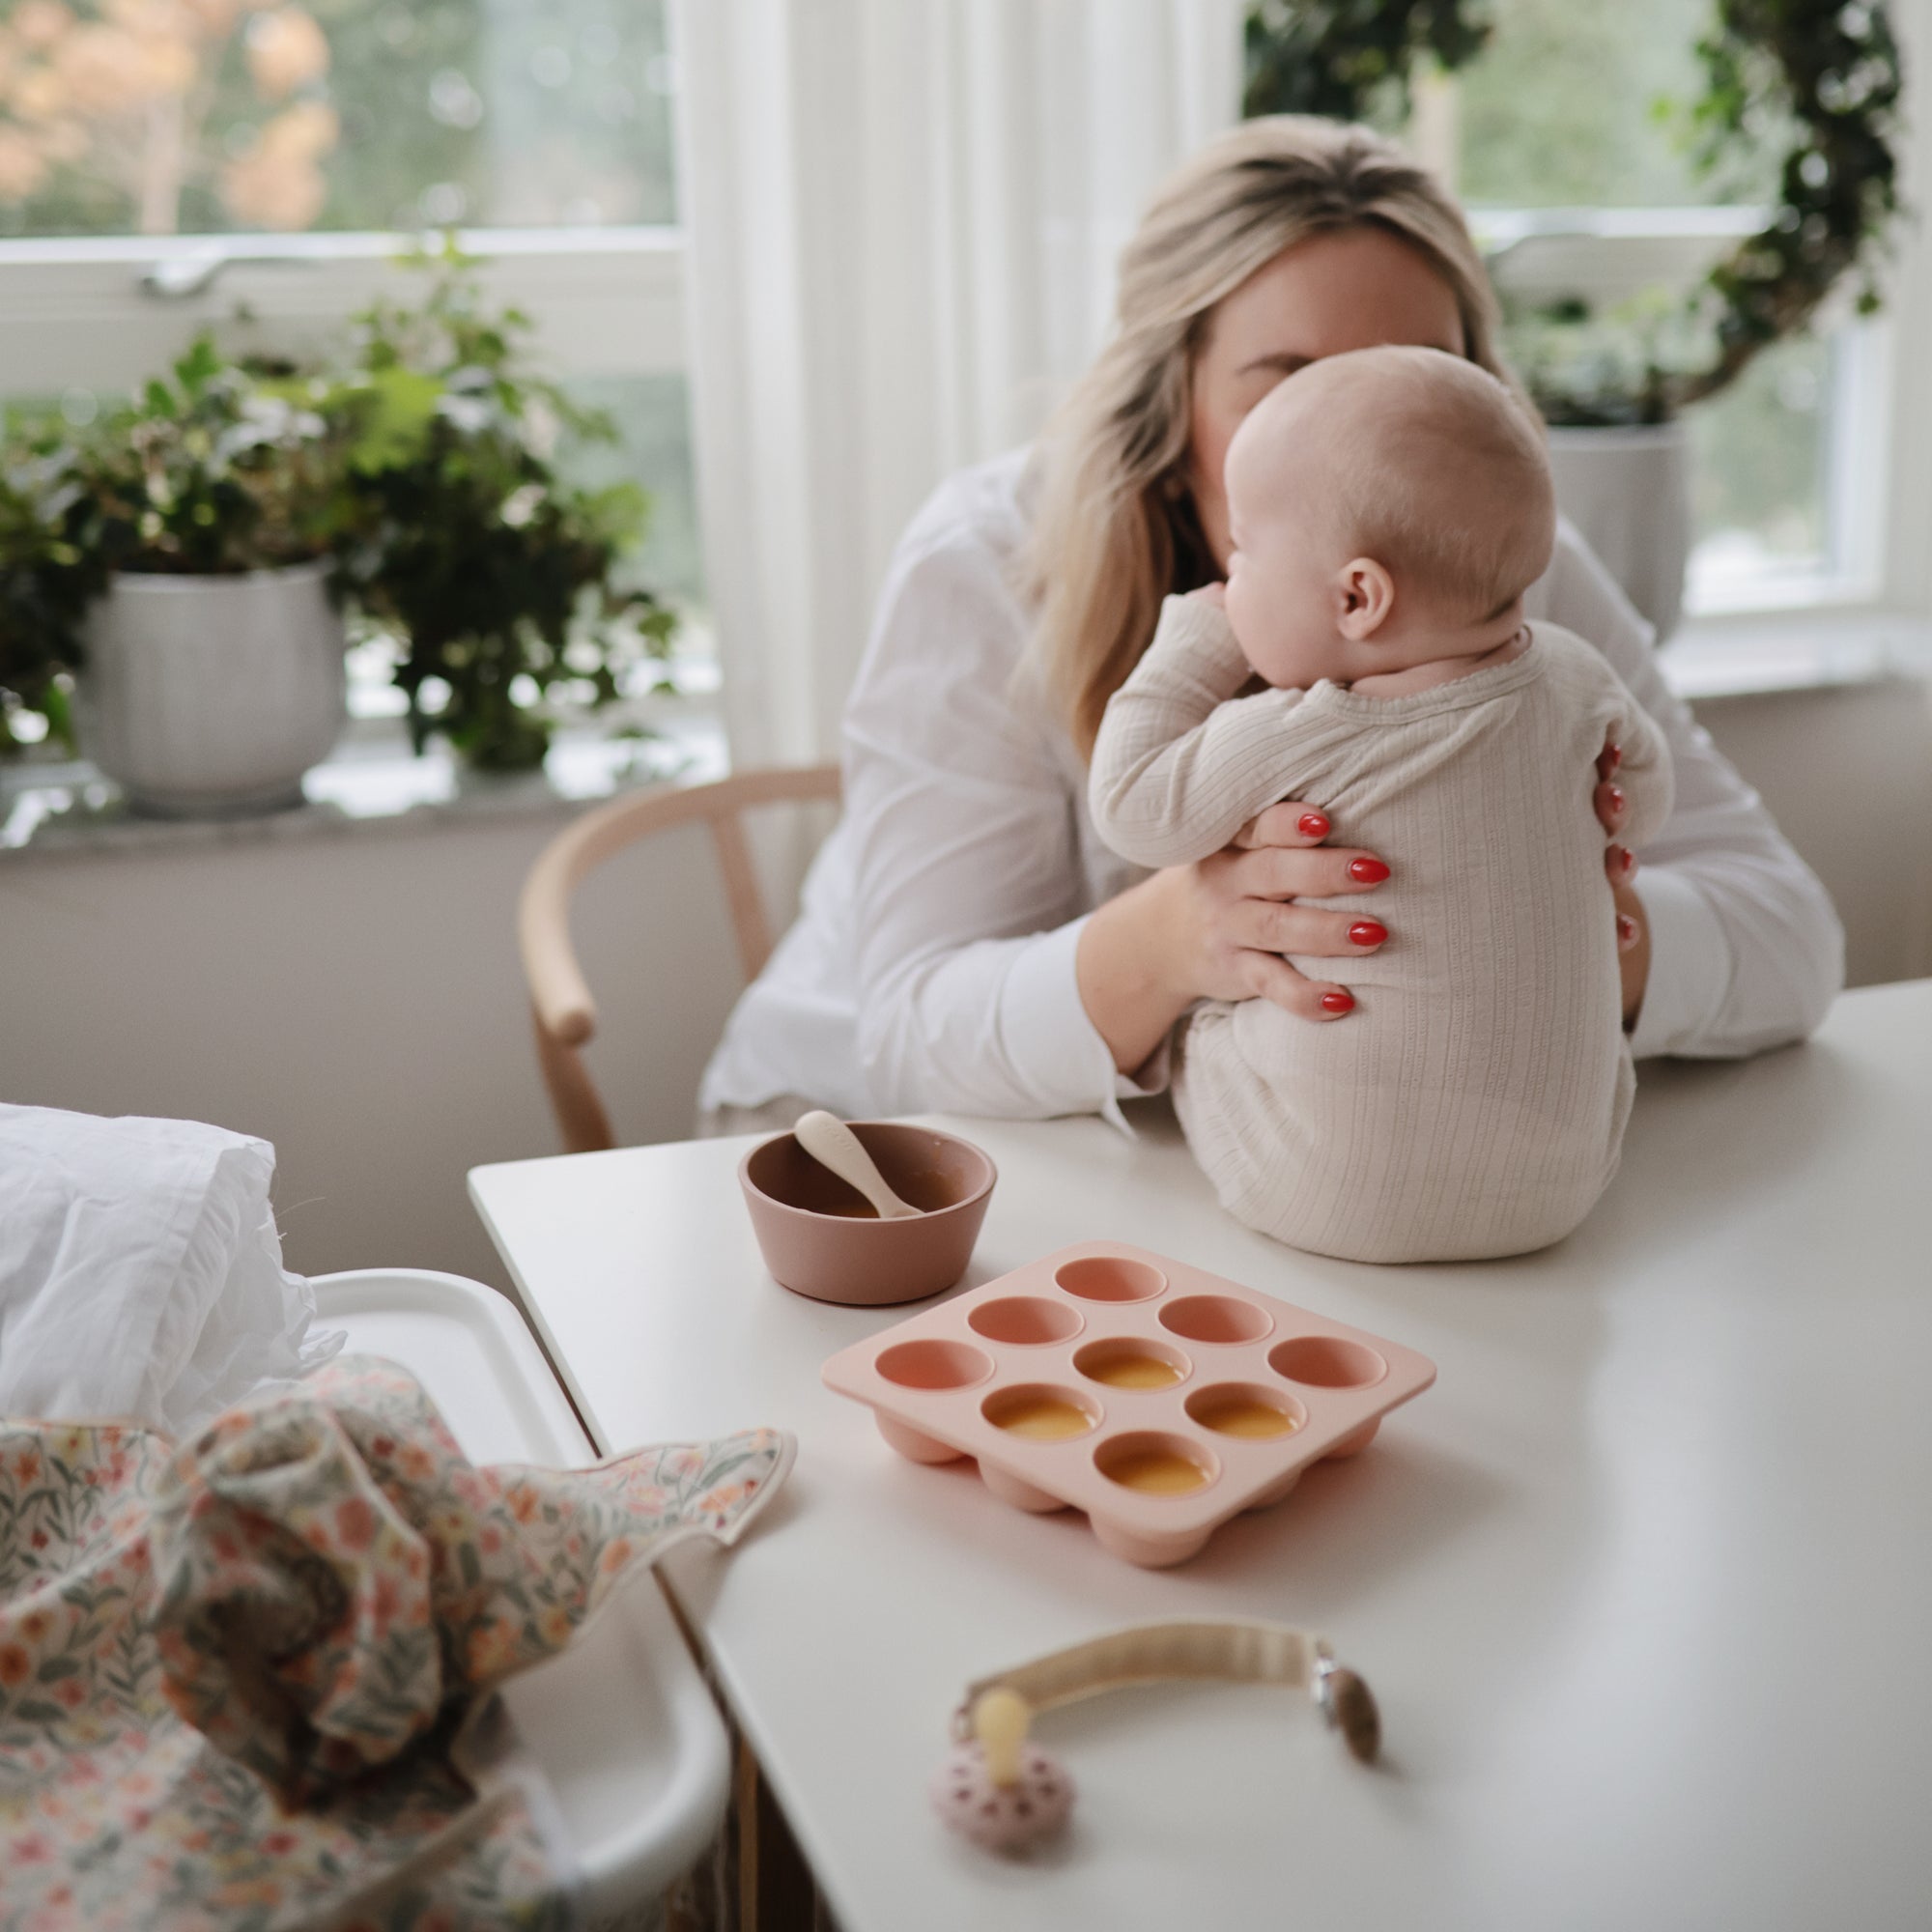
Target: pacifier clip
<point x="1000" y="1789"/>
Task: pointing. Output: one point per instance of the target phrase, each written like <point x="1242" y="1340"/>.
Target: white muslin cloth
<point x="1474" y="1103"/>
<point x="141" y="1271"/>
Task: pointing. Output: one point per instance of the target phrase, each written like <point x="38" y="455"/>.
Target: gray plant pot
<point x="206" y="696"/>
<point x="1629" y="492"/>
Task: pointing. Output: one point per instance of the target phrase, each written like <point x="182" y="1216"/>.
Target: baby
<point x="1389" y="508"/>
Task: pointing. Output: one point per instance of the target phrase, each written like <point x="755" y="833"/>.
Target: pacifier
<point x="1001" y="1790"/>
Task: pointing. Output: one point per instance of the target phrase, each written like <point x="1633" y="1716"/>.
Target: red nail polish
<point x="1312" y="825"/>
<point x="1617" y="798"/>
<point x="1370" y="871"/>
<point x="1338" y="1003"/>
<point x="1368" y="932"/>
<point x="1613" y="757"/>
<point x="1626" y="930"/>
<point x="1625" y="861"/>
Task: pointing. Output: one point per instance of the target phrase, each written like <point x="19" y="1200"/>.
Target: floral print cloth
<point x="242" y="1678"/>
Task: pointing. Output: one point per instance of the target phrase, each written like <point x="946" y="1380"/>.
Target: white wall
<point x="1848" y="773"/>
<point x="356" y="997"/>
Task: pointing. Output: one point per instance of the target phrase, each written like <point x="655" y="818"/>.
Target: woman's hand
<point x="1247" y="912"/>
<point x="1216" y="930"/>
<point x="1620" y="868"/>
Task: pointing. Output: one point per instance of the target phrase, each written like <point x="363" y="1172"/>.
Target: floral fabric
<point x="242" y="1679"/>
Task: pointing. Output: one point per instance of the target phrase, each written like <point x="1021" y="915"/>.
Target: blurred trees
<point x="203" y="115"/>
<point x="106" y="115"/>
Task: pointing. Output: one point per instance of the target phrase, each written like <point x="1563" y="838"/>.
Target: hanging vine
<point x="1827" y="71"/>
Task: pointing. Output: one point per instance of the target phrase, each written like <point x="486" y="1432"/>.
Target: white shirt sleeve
<point x="1746" y="952"/>
<point x="970" y="892"/>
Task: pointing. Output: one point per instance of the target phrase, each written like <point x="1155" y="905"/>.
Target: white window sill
<point x="1789" y="651"/>
<point x="372" y="784"/>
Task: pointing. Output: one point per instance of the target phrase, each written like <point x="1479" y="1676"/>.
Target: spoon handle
<point x="830" y="1142"/>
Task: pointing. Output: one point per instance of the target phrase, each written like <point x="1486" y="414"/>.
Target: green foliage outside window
<point x="1796" y="101"/>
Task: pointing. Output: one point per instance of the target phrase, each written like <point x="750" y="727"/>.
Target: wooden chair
<point x="564" y="1014"/>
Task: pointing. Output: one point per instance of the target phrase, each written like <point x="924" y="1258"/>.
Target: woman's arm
<point x="1744" y="949"/>
<point x="968" y="882"/>
<point x="981" y="987"/>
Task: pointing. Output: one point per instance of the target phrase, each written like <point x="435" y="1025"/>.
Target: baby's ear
<point x="1364" y="596"/>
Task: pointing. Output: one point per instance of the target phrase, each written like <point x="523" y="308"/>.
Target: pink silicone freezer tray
<point x="1045" y="1333"/>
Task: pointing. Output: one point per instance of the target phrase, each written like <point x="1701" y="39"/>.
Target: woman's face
<point x="1353" y="288"/>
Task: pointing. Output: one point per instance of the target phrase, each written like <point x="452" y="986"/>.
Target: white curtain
<point x="903" y="219"/>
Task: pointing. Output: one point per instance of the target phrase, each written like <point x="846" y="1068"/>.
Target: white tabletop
<point x="1644" y="1585"/>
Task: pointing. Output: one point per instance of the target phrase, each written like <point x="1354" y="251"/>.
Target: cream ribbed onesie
<point x="1474" y="1102"/>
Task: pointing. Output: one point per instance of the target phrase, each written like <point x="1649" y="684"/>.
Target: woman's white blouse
<point x="932" y="967"/>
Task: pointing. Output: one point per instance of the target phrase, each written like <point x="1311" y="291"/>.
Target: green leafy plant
<point x="1344" y="58"/>
<point x="424" y="466"/>
<point x="503" y="584"/>
<point x="214" y="469"/>
<point x="48" y="579"/>
<point x="1826" y="74"/>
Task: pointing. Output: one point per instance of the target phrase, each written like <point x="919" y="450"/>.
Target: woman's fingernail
<point x="1368" y="932"/>
<point x="1626" y="932"/>
<point x="1611" y="756"/>
<point x="1338" y="1003"/>
<point x="1312" y="825"/>
<point x="1370" y="871"/>
<point x="1624" y="861"/>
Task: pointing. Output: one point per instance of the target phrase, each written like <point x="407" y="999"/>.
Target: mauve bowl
<point x="820" y="1237"/>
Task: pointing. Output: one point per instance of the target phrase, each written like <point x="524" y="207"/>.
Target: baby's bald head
<point x="1415" y="458"/>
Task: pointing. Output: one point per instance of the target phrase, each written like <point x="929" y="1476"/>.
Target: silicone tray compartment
<point x="1158" y="1399"/>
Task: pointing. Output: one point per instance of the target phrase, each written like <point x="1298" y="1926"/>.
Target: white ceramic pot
<point x="1629" y="492"/>
<point x="205" y="695"/>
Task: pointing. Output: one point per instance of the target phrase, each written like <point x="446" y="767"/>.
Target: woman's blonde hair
<point x="1113" y="527"/>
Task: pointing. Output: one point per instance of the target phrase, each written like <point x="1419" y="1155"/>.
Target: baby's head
<point x="1389" y="508"/>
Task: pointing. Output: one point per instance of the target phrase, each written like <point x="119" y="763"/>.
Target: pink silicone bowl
<point x="820" y="1237"/>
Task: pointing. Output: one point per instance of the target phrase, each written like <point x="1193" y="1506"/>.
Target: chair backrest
<point x="561" y="1008"/>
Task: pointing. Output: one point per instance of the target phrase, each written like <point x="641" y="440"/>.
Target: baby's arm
<point x="1181" y="763"/>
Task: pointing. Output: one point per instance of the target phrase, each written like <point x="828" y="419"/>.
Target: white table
<point x="1644" y="1585"/>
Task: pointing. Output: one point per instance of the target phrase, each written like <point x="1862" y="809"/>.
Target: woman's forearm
<point x="1129" y="981"/>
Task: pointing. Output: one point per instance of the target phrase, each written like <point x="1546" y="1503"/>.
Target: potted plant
<point x="179" y="551"/>
<point x="1613" y="383"/>
<point x="1619" y="454"/>
<point x="185" y="568"/>
<point x="502" y="585"/>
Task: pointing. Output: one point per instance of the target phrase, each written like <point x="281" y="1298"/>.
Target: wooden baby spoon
<point x="830" y="1142"/>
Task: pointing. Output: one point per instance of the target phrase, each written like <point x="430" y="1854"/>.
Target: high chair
<point x="561" y="1006"/>
<point x="621" y="1722"/>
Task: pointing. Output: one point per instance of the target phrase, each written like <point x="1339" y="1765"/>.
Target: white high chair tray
<point x="620" y="1721"/>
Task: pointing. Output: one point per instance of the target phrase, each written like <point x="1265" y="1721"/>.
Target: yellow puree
<point x="1240" y="1416"/>
<point x="1158" y="1472"/>
<point x="1136" y="1372"/>
<point x="1045" y="1419"/>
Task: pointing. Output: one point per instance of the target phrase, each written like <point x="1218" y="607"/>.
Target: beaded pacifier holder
<point x="1004" y="1793"/>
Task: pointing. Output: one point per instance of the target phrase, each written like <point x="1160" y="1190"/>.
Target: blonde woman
<point x="966" y="943"/>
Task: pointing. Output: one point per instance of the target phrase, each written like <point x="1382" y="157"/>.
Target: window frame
<point x="102" y="312"/>
<point x="1606" y="254"/>
<point x="96" y="313"/>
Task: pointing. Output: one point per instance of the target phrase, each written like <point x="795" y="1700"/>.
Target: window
<point x="1564" y="140"/>
<point x="247" y="166"/>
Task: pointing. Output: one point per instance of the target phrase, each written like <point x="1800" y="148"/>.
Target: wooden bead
<point x="1354" y="1710"/>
